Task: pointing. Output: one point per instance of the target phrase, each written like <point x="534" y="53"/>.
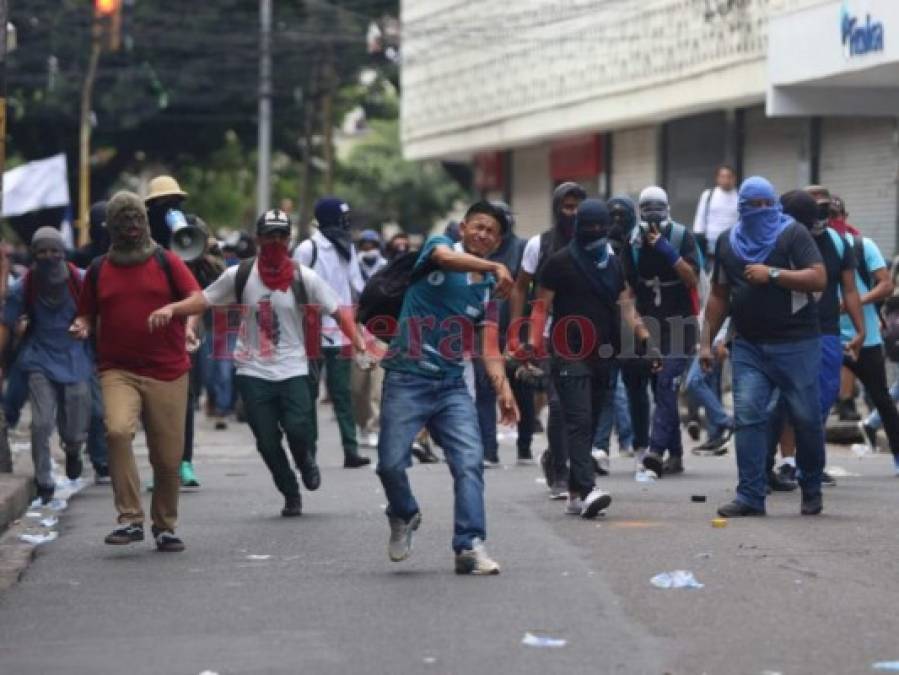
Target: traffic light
<point x="107" y="7"/>
<point x="108" y="14"/>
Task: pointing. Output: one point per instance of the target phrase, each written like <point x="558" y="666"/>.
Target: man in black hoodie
<point x="509" y="253"/>
<point x="566" y="199"/>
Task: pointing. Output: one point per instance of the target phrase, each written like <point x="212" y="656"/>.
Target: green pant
<point x="337" y="372"/>
<point x="274" y="408"/>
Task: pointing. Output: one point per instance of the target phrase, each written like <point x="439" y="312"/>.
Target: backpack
<point x="700" y="293"/>
<point x="30" y="291"/>
<point x="383" y="295"/>
<point x="93" y="272"/>
<point x="300" y="295"/>
<point x="314" y="252"/>
<point x="858" y="247"/>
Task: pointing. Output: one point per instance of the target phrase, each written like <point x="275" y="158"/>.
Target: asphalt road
<point x="782" y="594"/>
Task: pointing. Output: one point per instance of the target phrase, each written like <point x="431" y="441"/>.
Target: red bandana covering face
<point x="841" y="226"/>
<point x="275" y="266"/>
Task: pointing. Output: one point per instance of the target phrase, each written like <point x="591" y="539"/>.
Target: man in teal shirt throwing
<point x="444" y="307"/>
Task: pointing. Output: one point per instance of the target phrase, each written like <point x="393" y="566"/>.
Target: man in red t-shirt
<point x="143" y="375"/>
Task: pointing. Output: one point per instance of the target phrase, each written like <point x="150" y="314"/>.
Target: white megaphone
<point x="188" y="241"/>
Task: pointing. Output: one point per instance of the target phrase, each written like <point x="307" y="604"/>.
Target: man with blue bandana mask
<point x="767" y="268"/>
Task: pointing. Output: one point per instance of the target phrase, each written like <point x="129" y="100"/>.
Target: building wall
<point x="860" y="163"/>
<point x="635" y="161"/>
<point x="531" y="189"/>
<point x="480" y="75"/>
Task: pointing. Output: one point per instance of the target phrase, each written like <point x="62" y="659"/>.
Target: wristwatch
<point x="773" y="273"/>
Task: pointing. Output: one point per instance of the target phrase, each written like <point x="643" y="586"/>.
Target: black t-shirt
<point x="829" y="302"/>
<point x="578" y="307"/>
<point x="770" y="313"/>
<point x="667" y="299"/>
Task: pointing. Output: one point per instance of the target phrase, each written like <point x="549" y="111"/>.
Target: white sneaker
<point x="594" y="503"/>
<point x="400" y="545"/>
<point x="476" y="561"/>
<point x="601" y="461"/>
<point x="574" y="506"/>
<point x="371" y="439"/>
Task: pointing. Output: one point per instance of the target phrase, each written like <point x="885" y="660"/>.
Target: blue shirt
<point x="49" y="348"/>
<point x="873" y="261"/>
<point x="438" y="321"/>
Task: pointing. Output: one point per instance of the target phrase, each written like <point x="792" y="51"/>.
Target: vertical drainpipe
<point x="737" y="136"/>
<point x="607" y="167"/>
<point x="814" y="150"/>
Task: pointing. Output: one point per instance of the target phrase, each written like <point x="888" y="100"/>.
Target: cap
<point x="273" y="221"/>
<point x="369" y="236"/>
<point x="164" y="186"/>
<point x="331" y="211"/>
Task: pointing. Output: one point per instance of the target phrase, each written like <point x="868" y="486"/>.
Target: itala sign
<point x="860" y="38"/>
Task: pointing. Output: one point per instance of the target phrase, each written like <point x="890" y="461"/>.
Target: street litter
<point x="429" y="660"/>
<point x="645" y="476"/>
<point x="36" y="539"/>
<point x="840" y="472"/>
<point x="34" y="514"/>
<point x="719" y="522"/>
<point x="49" y="521"/>
<point x="860" y="450"/>
<point x="892" y="666"/>
<point x="254" y="556"/>
<point x="675" y="579"/>
<point x="531" y="640"/>
<point x="698" y="499"/>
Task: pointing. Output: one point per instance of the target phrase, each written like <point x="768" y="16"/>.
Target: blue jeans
<point x="410" y="402"/>
<point x="636" y="378"/>
<point x="615" y="411"/>
<point x="96" y="433"/>
<point x="705" y="389"/>
<point x="759" y="369"/>
<point x="218" y="377"/>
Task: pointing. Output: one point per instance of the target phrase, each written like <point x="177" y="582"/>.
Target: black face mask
<point x="620" y="226"/>
<point x="566" y="223"/>
<point x="586" y="237"/>
<point x="823" y="210"/>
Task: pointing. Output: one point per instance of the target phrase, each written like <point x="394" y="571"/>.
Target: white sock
<point x="791" y="461"/>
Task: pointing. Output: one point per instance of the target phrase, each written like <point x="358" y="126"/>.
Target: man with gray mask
<point x="143" y="373"/>
<point x="662" y="265"/>
<point x="566" y="199"/>
<point x="58" y="367"/>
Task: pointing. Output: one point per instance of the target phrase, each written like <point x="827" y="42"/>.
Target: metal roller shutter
<point x="634" y="160"/>
<point x="859" y="162"/>
<point x="694" y="147"/>
<point x="773" y="148"/>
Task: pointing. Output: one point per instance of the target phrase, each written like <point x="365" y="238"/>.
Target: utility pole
<point x="264" y="151"/>
<point x="107" y="22"/>
<point x="4" y="18"/>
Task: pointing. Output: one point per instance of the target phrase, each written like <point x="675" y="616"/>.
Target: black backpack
<point x="383" y="295"/>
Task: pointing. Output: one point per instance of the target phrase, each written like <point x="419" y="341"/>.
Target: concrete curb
<point x="15" y="496"/>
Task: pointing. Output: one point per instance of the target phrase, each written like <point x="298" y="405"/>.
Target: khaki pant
<point x="365" y="387"/>
<point x="127" y="399"/>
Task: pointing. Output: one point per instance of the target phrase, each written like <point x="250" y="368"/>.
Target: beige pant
<point x="365" y="388"/>
<point x="128" y="398"/>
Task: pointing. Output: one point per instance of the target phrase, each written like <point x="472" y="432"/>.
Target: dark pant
<point x="582" y="387"/>
<point x="524" y="397"/>
<point x="337" y="372"/>
<point x="273" y="409"/>
<point x="637" y="376"/>
<point x="96" y="433"/>
<point x="485" y="400"/>
<point x="555" y="430"/>
<point x="870" y="370"/>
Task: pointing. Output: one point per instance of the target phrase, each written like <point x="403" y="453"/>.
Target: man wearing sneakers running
<point x="584" y="287"/>
<point x="425" y="387"/>
<point x="143" y="373"/>
<point x="271" y="353"/>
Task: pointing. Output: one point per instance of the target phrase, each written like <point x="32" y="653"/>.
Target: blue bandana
<point x="754" y="236"/>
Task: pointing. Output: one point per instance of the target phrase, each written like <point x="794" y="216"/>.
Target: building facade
<point x="620" y="95"/>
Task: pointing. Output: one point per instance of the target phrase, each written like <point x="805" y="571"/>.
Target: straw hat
<point x="164" y="186"/>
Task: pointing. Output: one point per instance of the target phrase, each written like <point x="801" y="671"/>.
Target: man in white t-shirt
<point x="271" y="356"/>
<point x="717" y="210"/>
